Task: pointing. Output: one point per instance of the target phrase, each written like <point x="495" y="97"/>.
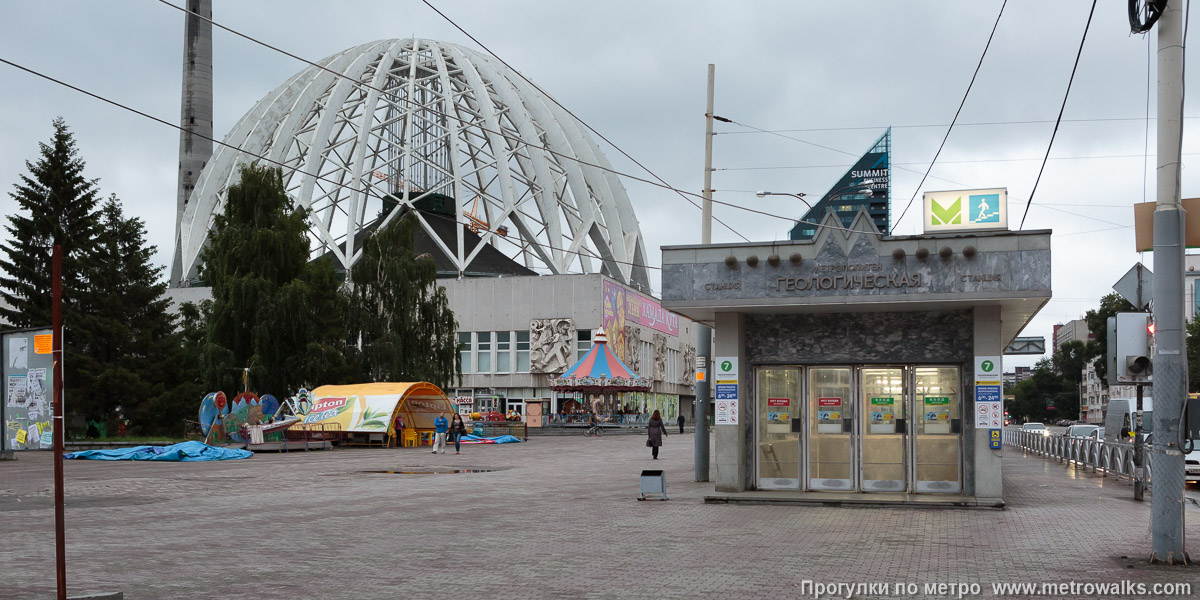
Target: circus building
<point x="534" y="237"/>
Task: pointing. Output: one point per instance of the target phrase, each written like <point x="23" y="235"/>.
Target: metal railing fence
<point x="1115" y="458"/>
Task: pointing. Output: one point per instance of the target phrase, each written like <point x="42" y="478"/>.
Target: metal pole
<point x="1139" y="450"/>
<point x="706" y="207"/>
<point x="1170" y="357"/>
<point x="60" y="430"/>
<point x="703" y="333"/>
<point x="704" y="354"/>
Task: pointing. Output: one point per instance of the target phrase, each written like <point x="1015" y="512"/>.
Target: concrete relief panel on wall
<point x="550" y="345"/>
<point x="688" y="369"/>
<point x="660" y="357"/>
<point x="633" y="348"/>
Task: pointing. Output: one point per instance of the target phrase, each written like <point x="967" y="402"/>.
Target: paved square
<point x="557" y="518"/>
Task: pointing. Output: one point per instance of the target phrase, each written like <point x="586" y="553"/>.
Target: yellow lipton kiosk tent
<point x="367" y="412"/>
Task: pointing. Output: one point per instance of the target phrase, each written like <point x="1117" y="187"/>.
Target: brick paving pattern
<point x="556" y="519"/>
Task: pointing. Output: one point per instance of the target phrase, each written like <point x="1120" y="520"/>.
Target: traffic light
<point x="1129" y="337"/>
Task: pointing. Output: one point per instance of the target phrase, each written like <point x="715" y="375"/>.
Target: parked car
<point x="1035" y="427"/>
<point x="1080" y="431"/>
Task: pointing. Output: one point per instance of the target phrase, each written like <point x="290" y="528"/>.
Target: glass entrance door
<point x="884" y="419"/>
<point x="779" y="427"/>
<point x="937" y="431"/>
<point x="831" y="452"/>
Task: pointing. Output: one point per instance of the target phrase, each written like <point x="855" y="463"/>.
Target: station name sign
<point x="859" y="281"/>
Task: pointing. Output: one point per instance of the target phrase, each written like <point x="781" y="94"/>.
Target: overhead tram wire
<point x="932" y="125"/>
<point x="569" y="112"/>
<point x="359" y="84"/>
<point x="291" y="169"/>
<point x="949" y="162"/>
<point x="1061" y="109"/>
<point x="958" y="112"/>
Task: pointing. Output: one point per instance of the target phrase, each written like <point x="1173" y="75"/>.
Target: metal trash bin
<point x="653" y="482"/>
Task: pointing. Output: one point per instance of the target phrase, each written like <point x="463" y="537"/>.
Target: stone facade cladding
<point x="939" y="337"/>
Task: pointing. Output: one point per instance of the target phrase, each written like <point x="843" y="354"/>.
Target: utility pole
<point x="60" y="424"/>
<point x="1170" y="357"/>
<point x="703" y="333"/>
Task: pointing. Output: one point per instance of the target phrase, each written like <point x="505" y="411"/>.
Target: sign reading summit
<point x="966" y="210"/>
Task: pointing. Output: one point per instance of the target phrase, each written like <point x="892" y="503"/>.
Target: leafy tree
<point x="401" y="315"/>
<point x="1071" y="358"/>
<point x="1097" y="322"/>
<point x="271" y="311"/>
<point x="1045" y="394"/>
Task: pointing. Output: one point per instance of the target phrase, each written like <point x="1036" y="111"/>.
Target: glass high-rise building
<point x="867" y="185"/>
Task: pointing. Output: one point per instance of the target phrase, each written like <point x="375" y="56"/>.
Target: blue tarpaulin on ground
<point x="502" y="439"/>
<point x="182" y="452"/>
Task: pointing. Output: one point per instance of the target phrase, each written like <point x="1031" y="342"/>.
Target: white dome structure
<point x="395" y="125"/>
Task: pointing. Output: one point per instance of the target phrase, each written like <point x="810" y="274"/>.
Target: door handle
<point x="955" y="425"/>
<point x="847" y="425"/>
<point x="900" y="426"/>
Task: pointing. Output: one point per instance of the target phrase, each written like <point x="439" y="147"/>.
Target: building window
<point x="522" y="351"/>
<point x="483" y="349"/>
<point x="583" y="343"/>
<point x="503" y="352"/>
<point x="464" y="350"/>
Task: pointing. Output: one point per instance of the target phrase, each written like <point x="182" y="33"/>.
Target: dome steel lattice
<point x="416" y="121"/>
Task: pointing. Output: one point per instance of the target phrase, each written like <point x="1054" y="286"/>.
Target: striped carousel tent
<point x="600" y="371"/>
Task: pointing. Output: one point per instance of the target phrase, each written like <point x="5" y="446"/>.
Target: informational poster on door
<point x="883" y="415"/>
<point x="829" y="415"/>
<point x="779" y="415"/>
<point x="937" y="414"/>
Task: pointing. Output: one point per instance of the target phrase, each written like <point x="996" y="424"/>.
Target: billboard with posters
<point x="28" y="377"/>
<point x="625" y="307"/>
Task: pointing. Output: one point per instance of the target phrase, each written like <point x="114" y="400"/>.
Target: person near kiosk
<point x="440" y="425"/>
<point x="457" y="430"/>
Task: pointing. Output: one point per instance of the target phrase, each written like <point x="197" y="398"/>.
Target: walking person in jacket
<point x="681" y="422"/>
<point x="657" y="431"/>
<point x="440" y="425"/>
<point x="457" y="430"/>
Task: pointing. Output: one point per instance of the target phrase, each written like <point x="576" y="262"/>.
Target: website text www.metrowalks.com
<point x="818" y="589"/>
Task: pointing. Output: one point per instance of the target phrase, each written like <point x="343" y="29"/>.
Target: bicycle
<point x="594" y="430"/>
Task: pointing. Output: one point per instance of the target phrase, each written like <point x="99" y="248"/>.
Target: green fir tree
<point x="56" y="204"/>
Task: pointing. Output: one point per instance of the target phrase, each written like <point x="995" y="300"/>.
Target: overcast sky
<point x="635" y="70"/>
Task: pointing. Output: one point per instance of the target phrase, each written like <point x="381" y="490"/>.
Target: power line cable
<point x="932" y="125"/>
<point x="1061" y="109"/>
<point x="948" y="162"/>
<point x="917" y="189"/>
<point x="569" y="112"/>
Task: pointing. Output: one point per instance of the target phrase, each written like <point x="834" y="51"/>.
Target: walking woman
<point x="657" y="431"/>
<point x="457" y="430"/>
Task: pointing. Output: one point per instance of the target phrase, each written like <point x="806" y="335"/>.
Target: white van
<point x="1120" y="416"/>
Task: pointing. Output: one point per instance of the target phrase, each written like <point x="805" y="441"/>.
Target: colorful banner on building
<point x="625" y="307"/>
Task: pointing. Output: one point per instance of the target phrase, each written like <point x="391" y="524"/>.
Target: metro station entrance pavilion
<point x="858" y="362"/>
